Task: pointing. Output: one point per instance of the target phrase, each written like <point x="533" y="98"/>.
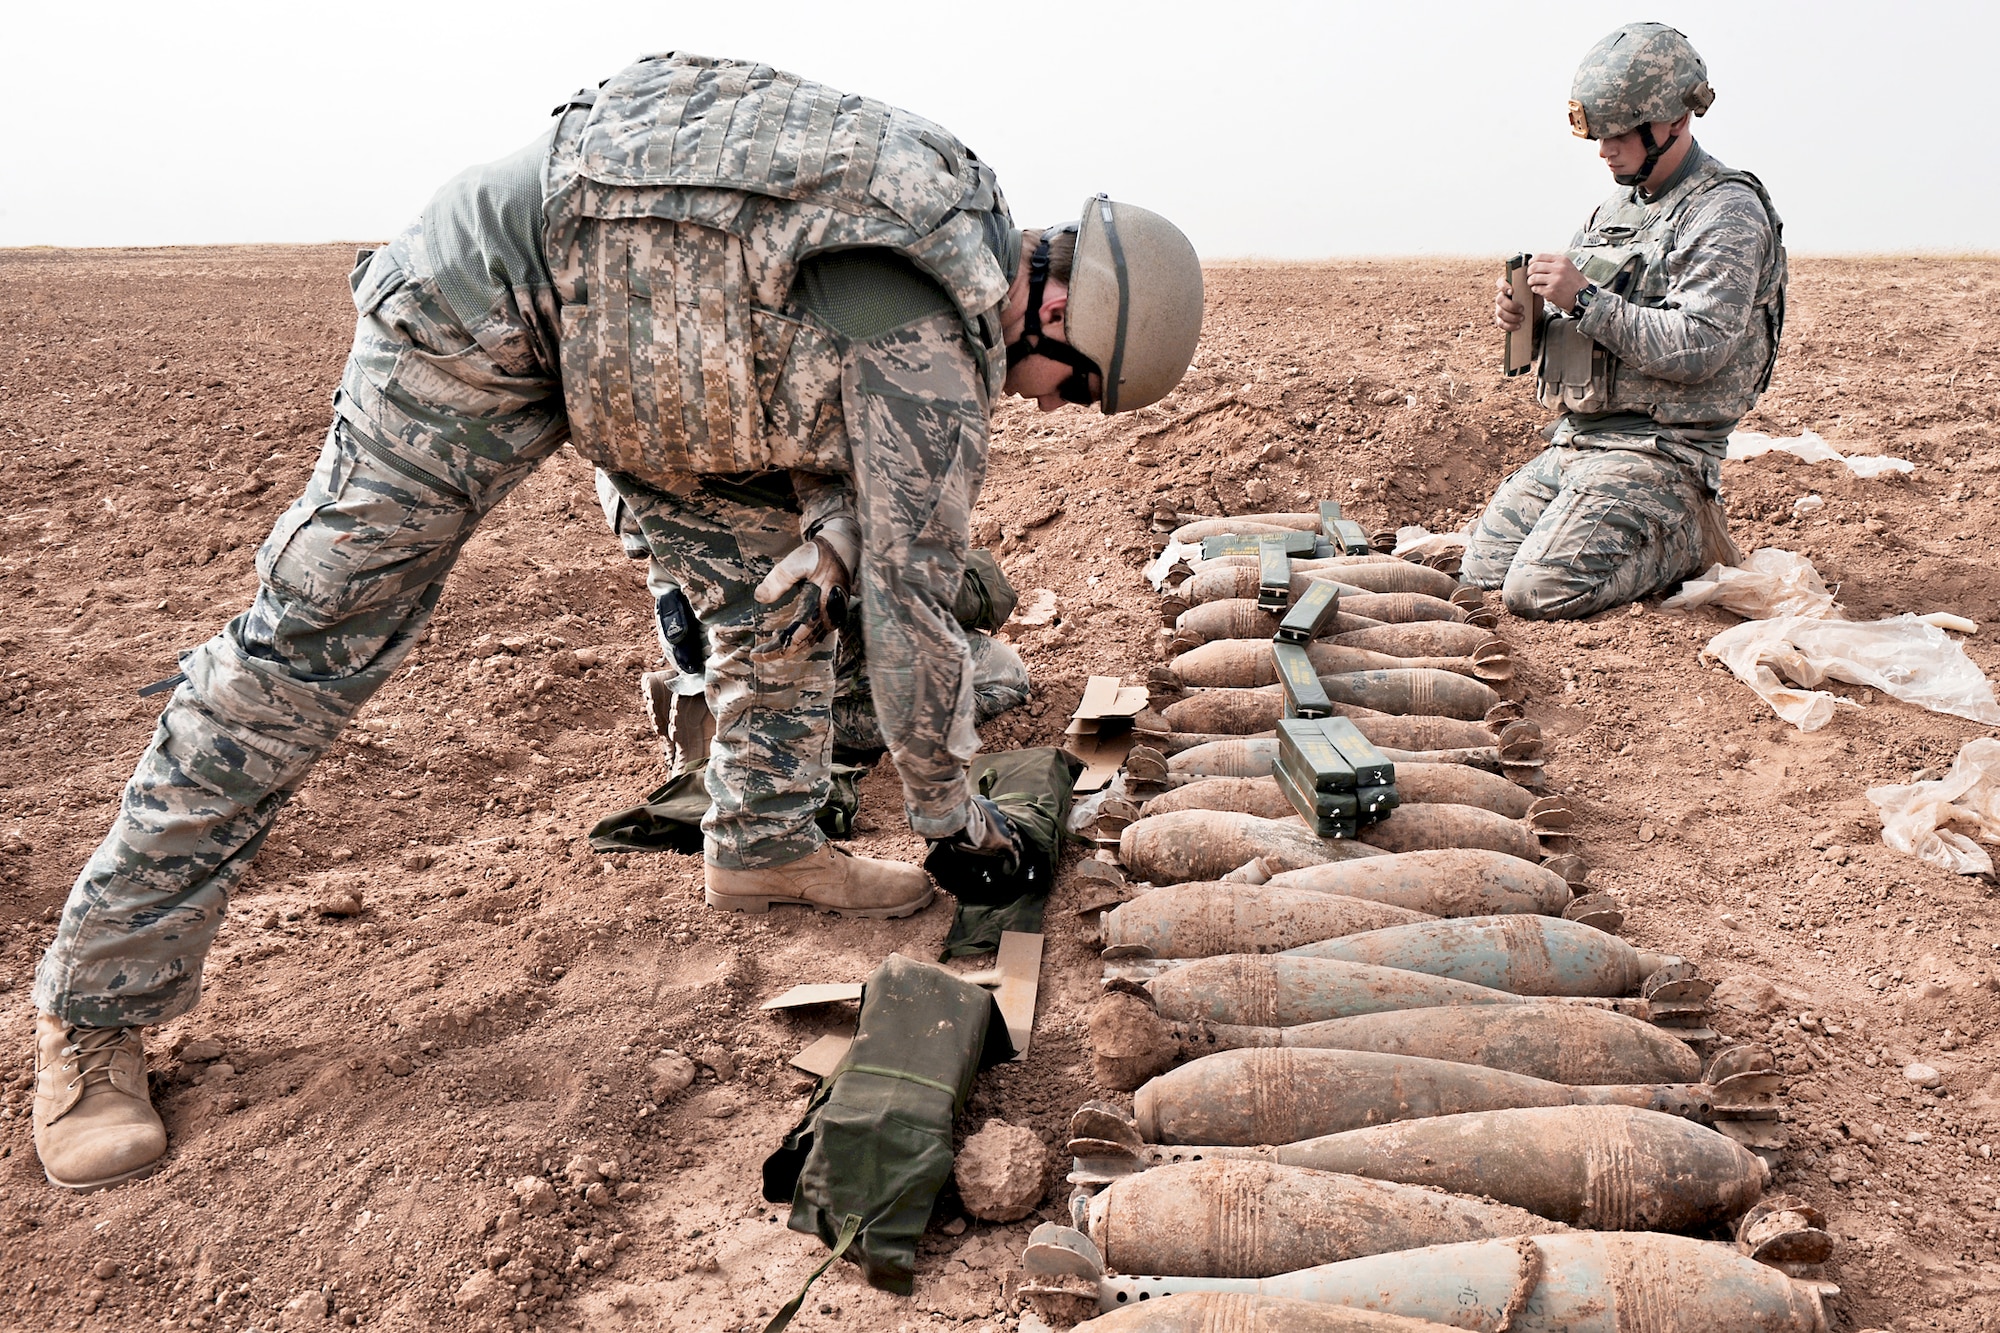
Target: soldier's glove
<point x="981" y="861"/>
<point x="825" y="565"/>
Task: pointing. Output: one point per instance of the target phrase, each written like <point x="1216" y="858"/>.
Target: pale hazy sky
<point x="1262" y="127"/>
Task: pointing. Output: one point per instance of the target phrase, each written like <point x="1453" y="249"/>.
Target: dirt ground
<point x="353" y="1098"/>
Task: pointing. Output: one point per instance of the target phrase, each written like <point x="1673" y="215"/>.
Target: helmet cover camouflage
<point x="1642" y="74"/>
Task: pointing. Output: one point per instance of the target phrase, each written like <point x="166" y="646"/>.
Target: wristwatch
<point x="1583" y="299"/>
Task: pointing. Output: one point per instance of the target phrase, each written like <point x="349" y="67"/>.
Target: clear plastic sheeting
<point x="1903" y="657"/>
<point x="1768" y="583"/>
<point x="1812" y="449"/>
<point x="1175" y="552"/>
<point x="1938" y="821"/>
<point x="1419" y="543"/>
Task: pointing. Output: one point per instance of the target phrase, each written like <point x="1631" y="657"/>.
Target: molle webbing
<point x="865" y="293"/>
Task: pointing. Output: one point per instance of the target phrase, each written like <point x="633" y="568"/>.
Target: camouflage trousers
<point x="353" y="570"/>
<point x="1000" y="681"/>
<point x="916" y="473"/>
<point x="348" y="579"/>
<point x="1578" y="530"/>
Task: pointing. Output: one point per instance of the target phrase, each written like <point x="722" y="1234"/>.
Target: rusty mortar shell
<point x="1187" y="534"/>
<point x="1453" y="882"/>
<point x="1245" y="796"/>
<point x="1285" y="1094"/>
<point x="1527" y="955"/>
<point x="1576" y="1282"/>
<point x="1243" y="657"/>
<point x="1185" y="845"/>
<point x="1412" y="690"/>
<point x="1417" y="638"/>
<point x="1241" y="1312"/>
<point x="1457" y="784"/>
<point x="1366" y="574"/>
<point x="1284" y="990"/>
<point x="1261" y="1218"/>
<point x="1430" y="826"/>
<point x="1131" y="1041"/>
<point x="1200" y="920"/>
<point x="1608" y="1168"/>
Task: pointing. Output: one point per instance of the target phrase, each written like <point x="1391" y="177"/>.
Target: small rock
<point x="587" y="658"/>
<point x="341" y="902"/>
<point x="1002" y="1171"/>
<point x="104" y="1269"/>
<point x="497" y="1255"/>
<point x="1037" y="608"/>
<point x="955" y="1227"/>
<point x="597" y="1196"/>
<point x="201" y="1050"/>
<point x="669" y="1076"/>
<point x="341" y="854"/>
<point x="582" y="1171"/>
<point x="627" y="1191"/>
<point x="481" y="1291"/>
<point x="1916" y="1136"/>
<point x="536" y="1196"/>
<point x="1646" y="833"/>
<point x="1747" y="994"/>
<point x="718" y="1062"/>
<point x="1922" y="1075"/>
<point x="1256" y="490"/>
<point x="418" y="859"/>
<point x="399" y="1065"/>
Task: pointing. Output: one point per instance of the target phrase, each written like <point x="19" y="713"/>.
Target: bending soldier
<point x="777" y="316"/>
<point x="1661" y="330"/>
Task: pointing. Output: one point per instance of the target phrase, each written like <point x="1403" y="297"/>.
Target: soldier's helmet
<point x="1640" y="74"/>
<point x="1134" y="302"/>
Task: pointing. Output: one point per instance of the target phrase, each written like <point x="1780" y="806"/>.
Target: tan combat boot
<point x="830" y="880"/>
<point x="94" y="1123"/>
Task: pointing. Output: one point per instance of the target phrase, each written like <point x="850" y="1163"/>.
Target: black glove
<point x="981" y="863"/>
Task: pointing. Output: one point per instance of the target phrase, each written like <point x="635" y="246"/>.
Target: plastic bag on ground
<point x="1768" y="583"/>
<point x="1163" y="564"/>
<point x="1418" y="542"/>
<point x="1916" y="816"/>
<point x="1903" y="657"/>
<point x="1812" y="449"/>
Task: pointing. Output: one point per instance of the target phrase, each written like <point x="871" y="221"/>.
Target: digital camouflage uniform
<point x="625" y="284"/>
<point x="1674" y="349"/>
<point x="1000" y="680"/>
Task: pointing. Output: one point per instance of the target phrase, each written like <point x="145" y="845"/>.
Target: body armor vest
<point x="1625" y="252"/>
<point x="680" y="199"/>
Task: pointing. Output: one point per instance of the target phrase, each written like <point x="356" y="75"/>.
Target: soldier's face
<point x="1626" y="153"/>
<point x="1040" y="377"/>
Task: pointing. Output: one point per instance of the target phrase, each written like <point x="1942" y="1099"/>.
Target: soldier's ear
<point x="1055" y="302"/>
<point x="1681" y="126"/>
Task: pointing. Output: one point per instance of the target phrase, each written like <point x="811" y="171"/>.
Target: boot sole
<point x="760" y="905"/>
<point x="92" y="1186"/>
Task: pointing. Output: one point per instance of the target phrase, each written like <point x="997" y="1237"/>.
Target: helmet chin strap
<point x="1654" y="151"/>
<point x="1076" y="388"/>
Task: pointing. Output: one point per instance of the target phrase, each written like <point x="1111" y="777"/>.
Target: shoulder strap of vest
<point x="1772" y="300"/>
<point x="582" y="98"/>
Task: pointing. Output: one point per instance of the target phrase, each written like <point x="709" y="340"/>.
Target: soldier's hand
<point x="824" y="565"/>
<point x="1556" y="280"/>
<point x="1507" y="312"/>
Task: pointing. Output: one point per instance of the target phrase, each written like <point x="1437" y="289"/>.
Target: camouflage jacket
<point x="528" y="301"/>
<point x="1681" y="339"/>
